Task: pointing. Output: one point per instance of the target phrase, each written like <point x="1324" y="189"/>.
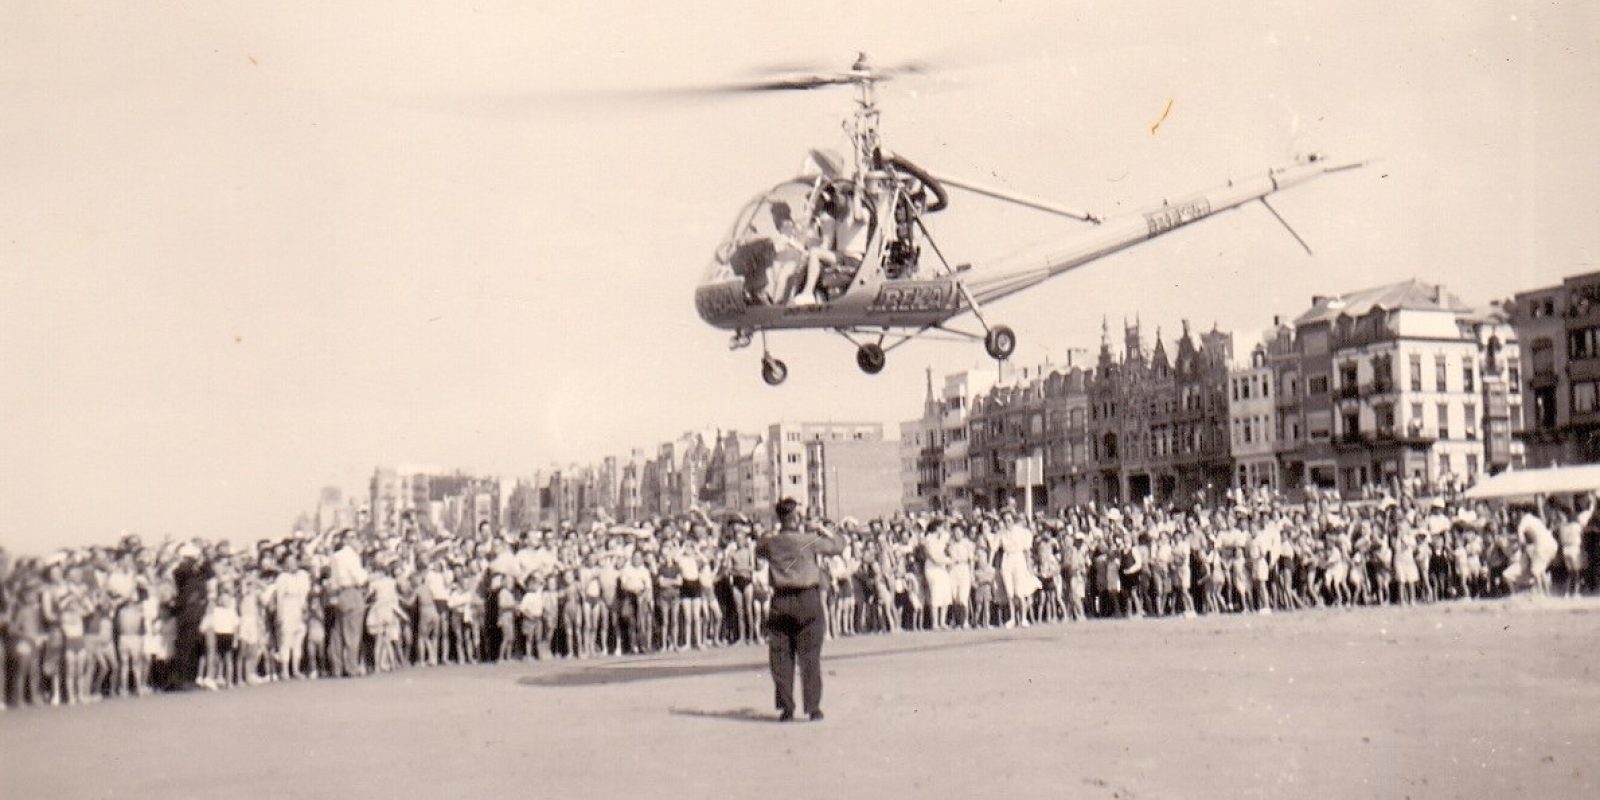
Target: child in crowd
<point x="506" y="602"/>
<point x="529" y="612"/>
<point x="316" y="633"/>
<point x="572" y="614"/>
<point x="383" y="618"/>
<point x="225" y="667"/>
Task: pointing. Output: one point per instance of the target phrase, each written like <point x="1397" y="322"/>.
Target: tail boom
<point x="1024" y="271"/>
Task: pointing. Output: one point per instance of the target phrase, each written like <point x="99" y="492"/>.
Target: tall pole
<point x="838" y="497"/>
<point x="1027" y="489"/>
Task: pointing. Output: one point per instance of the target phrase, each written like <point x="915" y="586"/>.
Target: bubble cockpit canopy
<point x="766" y="218"/>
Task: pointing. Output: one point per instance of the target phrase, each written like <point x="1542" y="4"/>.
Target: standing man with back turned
<point x="796" y="624"/>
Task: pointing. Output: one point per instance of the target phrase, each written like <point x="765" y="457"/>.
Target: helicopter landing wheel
<point x="1001" y="342"/>
<point x="773" y="371"/>
<point x="871" y="358"/>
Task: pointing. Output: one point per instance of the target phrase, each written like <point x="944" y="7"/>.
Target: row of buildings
<point x="1396" y="384"/>
<point x="1558" y="331"/>
<point x="841" y="468"/>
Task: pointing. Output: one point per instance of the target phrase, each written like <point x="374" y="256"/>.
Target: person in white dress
<point x="936" y="572"/>
<point x="289" y="592"/>
<point x="1541" y="547"/>
<point x="962" y="551"/>
<point x="1016" y="540"/>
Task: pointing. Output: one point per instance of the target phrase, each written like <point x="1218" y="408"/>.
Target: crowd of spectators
<point x="87" y="623"/>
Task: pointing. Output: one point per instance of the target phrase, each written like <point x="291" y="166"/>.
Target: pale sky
<point x="249" y="249"/>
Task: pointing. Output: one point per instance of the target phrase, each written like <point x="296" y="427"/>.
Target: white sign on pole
<point x="1030" y="472"/>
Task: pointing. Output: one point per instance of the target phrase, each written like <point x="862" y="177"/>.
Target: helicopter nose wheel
<point x="1000" y="342"/>
<point x="773" y="371"/>
<point x="871" y="358"/>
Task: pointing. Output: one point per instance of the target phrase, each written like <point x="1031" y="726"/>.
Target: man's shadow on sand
<point x="731" y="715"/>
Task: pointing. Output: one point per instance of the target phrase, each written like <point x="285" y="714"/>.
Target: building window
<point x="794" y="480"/>
<point x="1416" y="373"/>
<point x="1444" y="464"/>
<point x="1349" y="375"/>
<point x="1544" y="356"/>
<point x="1544" y="408"/>
<point x="1583" y="397"/>
<point x="1317" y="384"/>
<point x="1441" y="369"/>
<point x="794" y="458"/>
<point x="1384" y="413"/>
<point x="1472" y="465"/>
<point x="1415" y="421"/>
<point x="1470" y="412"/>
<point x="792" y="436"/>
<point x="1319" y="425"/>
<point x="1467" y="376"/>
<point x="1382" y="373"/>
<point x="1514" y="374"/>
<point x="1583" y="343"/>
<point x="1444" y="420"/>
<point x="1352" y="426"/>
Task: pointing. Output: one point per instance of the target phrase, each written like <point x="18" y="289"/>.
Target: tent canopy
<point x="1532" y="482"/>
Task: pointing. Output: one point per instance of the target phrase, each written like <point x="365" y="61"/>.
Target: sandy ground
<point x="1486" y="699"/>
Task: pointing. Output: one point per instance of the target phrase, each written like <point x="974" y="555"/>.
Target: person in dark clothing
<point x="1590" y="550"/>
<point x="190" y="577"/>
<point x="795" y="625"/>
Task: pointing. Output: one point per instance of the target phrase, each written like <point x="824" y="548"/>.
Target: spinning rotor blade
<point x="624" y="97"/>
<point x="789" y="83"/>
<point x="797" y="76"/>
<point x="787" y="68"/>
<point x="789" y="77"/>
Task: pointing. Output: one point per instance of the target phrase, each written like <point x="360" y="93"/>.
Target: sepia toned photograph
<point x="848" y="399"/>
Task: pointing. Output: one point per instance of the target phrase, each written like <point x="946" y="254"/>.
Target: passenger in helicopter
<point x="752" y="260"/>
<point x="818" y="257"/>
<point x="902" y="254"/>
<point x="833" y="260"/>
<point x="790" y="246"/>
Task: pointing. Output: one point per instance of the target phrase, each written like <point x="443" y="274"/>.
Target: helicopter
<point x="840" y="247"/>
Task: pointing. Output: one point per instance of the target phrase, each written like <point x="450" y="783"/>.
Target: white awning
<point x="1532" y="482"/>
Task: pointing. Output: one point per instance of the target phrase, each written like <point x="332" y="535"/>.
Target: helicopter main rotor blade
<point x="787" y="68"/>
<point x="790" y="83"/>
<point x="623" y="97"/>
<point x="792" y="77"/>
<point x="913" y="66"/>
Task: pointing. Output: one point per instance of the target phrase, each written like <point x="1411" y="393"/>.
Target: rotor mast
<point x="863" y="126"/>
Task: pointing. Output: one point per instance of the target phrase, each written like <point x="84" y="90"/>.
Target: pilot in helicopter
<point x="842" y="228"/>
<point x="793" y="247"/>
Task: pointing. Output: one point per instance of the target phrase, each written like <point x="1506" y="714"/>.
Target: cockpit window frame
<point x="721" y="268"/>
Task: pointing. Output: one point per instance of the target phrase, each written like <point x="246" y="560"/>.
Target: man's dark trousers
<point x="795" y="627"/>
